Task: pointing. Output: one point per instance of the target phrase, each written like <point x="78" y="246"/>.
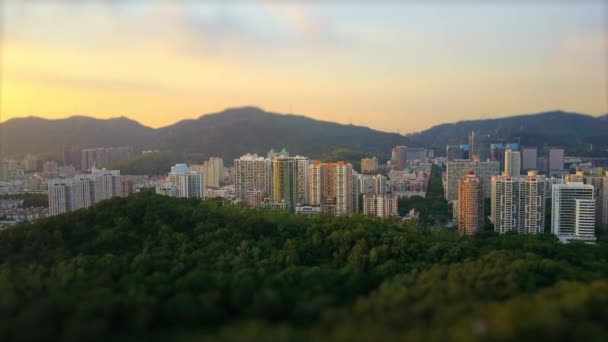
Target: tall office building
<point x="518" y="203"/>
<point x="470" y="204"/>
<point x="555" y="161"/>
<point x="380" y="205"/>
<point x="284" y="182"/>
<point x="512" y="163"/>
<point x="472" y="147"/>
<point x="457" y="152"/>
<point x="529" y="157"/>
<point x="369" y="165"/>
<point x="251" y="173"/>
<point x="458" y="169"/>
<point x="573" y="211"/>
<point x="213" y="171"/>
<point x="399" y="157"/>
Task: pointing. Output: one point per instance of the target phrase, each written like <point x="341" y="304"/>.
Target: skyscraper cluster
<point x="518" y="202"/>
<point x="284" y="182"/>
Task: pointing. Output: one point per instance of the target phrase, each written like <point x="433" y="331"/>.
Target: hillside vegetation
<point x="149" y="267"/>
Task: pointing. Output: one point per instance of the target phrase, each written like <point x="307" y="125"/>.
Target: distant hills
<point x="580" y="134"/>
<point x="236" y="131"/>
<point x="229" y="133"/>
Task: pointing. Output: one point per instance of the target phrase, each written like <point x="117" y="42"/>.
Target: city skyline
<point x="371" y="65"/>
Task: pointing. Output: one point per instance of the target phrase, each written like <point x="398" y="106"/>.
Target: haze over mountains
<point x="235" y="131"/>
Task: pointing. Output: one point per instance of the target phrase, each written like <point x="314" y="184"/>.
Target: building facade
<point x="380" y="205"/>
<point x="512" y="162"/>
<point x="573" y="211"/>
<point x="470" y="204"/>
<point x="458" y="169"/>
<point x="251" y="173"/>
<point x="529" y="156"/>
<point x="399" y="157"/>
<point x="518" y="203"/>
<point x="369" y="165"/>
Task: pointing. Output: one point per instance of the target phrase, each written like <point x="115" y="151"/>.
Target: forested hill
<point x="151" y="267"/>
<point x="580" y="134"/>
<point x="230" y="134"/>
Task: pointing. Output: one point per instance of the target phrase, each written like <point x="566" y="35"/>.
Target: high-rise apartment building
<point x="518" y="203"/>
<point x="316" y="182"/>
<point x="399" y="157"/>
<point x="365" y="184"/>
<point x="108" y="184"/>
<point x="529" y="157"/>
<point x="369" y="165"/>
<point x="512" y="162"/>
<point x="335" y="187"/>
<point x="573" y="211"/>
<point x="379" y="184"/>
<point x="213" y="171"/>
<point x="470" y="204"/>
<point x="301" y="169"/>
<point x="284" y="182"/>
<point x="83" y="190"/>
<point x="188" y="184"/>
<point x="599" y="183"/>
<point x="380" y="205"/>
<point x="60" y="196"/>
<point x="604" y="200"/>
<point x="344" y="188"/>
<point x="250" y="173"/>
<point x="458" y="169"/>
<point x="356" y="192"/>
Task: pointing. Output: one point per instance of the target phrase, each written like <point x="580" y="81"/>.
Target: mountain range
<point x="236" y="131"/>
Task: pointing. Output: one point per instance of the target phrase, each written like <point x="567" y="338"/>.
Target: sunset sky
<point x="394" y="66"/>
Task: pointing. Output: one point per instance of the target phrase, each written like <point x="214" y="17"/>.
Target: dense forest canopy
<point x="153" y="267"/>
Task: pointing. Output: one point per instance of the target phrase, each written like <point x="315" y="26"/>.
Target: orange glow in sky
<point x="388" y="66"/>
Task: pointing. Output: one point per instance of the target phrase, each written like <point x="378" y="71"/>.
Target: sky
<point x="394" y="66"/>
